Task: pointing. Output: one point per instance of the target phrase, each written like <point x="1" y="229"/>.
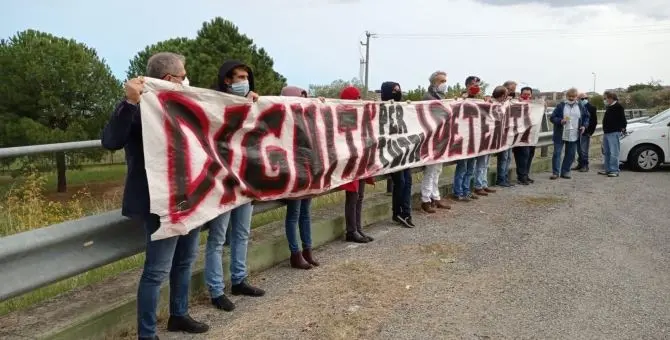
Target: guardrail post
<point x="544" y="127"/>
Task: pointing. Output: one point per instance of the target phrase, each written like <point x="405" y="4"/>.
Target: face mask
<point x="240" y="88"/>
<point x="442" y="88"/>
<point x="473" y="90"/>
<point x="185" y="82"/>
<point x="525" y="96"/>
<point x="571" y="102"/>
<point x="584" y="101"/>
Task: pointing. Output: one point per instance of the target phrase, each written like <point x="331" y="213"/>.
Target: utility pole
<point x="594" y="82"/>
<point x="368" y="35"/>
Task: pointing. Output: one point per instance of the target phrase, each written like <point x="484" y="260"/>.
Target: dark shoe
<point x="613" y="174"/>
<point x="481" y="192"/>
<point x="186" y="324"/>
<point x="355" y="237"/>
<point x="489" y="190"/>
<point x="309" y="257"/>
<point x="504" y="185"/>
<point x="554" y="176"/>
<point x="440" y="204"/>
<point x="523" y="182"/>
<point x="428" y="207"/>
<point x="586" y="169"/>
<point x="222" y="302"/>
<point x="530" y="180"/>
<point x="463" y="199"/>
<point x="603" y="172"/>
<point x="566" y="176"/>
<point x="370" y="239"/>
<point x="578" y="167"/>
<point x="155" y="337"/>
<point x="409" y="222"/>
<point x="243" y="288"/>
<point x="298" y="262"/>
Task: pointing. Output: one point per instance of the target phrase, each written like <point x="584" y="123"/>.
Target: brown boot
<point x="307" y="255"/>
<point x="481" y="192"/>
<point x="428" y="207"/>
<point x="440" y="204"/>
<point x="297" y="261"/>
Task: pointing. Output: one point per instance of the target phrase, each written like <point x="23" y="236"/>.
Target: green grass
<point x="89" y="174"/>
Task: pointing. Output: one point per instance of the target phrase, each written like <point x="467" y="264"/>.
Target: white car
<point x="646" y="144"/>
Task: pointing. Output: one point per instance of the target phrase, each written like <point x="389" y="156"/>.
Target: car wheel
<point x="645" y="158"/>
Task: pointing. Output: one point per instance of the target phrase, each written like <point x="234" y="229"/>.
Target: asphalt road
<point x="587" y="258"/>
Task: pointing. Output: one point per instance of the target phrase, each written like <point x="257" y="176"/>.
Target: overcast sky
<point x="551" y="45"/>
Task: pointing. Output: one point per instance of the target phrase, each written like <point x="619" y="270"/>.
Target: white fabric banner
<point x="208" y="152"/>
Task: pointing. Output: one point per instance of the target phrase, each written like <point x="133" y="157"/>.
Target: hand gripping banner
<point x="208" y="152"/>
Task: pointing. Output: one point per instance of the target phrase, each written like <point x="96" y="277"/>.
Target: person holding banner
<point x="171" y="257"/>
<point x="402" y="180"/>
<point x="354" y="192"/>
<point x="523" y="154"/>
<point x="298" y="212"/>
<point x="570" y="119"/>
<point x="430" y="186"/>
<point x="505" y="157"/>
<point x="237" y="79"/>
<point x="499" y="95"/>
<point x="465" y="168"/>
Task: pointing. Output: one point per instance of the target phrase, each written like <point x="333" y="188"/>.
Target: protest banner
<point x="208" y="152"/>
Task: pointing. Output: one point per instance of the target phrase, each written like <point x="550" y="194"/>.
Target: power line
<point x="643" y="29"/>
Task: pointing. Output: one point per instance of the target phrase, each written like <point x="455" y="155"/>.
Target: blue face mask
<point x="240" y="88"/>
<point x="584" y="101"/>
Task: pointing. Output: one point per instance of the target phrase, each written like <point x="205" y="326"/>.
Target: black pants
<point x="353" y="204"/>
<point x="521" y="158"/>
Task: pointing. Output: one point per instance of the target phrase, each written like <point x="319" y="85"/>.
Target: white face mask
<point x="185" y="82"/>
<point x="442" y="88"/>
<point x="571" y="102"/>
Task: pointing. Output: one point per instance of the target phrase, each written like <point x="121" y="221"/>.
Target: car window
<point x="663" y="116"/>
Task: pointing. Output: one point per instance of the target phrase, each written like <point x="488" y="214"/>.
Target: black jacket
<point x="615" y="119"/>
<point x="593" y="113"/>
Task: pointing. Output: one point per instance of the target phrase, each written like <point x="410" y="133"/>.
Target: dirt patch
<point x="542" y="200"/>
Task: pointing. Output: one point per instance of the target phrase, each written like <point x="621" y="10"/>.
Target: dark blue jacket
<point x="557" y="116"/>
<point x="124" y="131"/>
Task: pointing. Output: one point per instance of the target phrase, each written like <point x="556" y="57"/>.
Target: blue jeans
<point x="583" y="155"/>
<point x="240" y="223"/>
<point x="502" y="168"/>
<point x="298" y="212"/>
<point x="465" y="168"/>
<point x="173" y="256"/>
<point x="570" y="149"/>
<point x="402" y="193"/>
<point x="611" y="147"/>
<point x="481" y="172"/>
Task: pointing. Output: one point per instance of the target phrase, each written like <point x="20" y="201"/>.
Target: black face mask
<point x="397" y="96"/>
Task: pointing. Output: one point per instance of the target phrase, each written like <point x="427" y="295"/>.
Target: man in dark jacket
<point x="402" y="180"/>
<point x="237" y="79"/>
<point x="614" y="124"/>
<point x="585" y="138"/>
<point x="173" y="256"/>
<point x="570" y="120"/>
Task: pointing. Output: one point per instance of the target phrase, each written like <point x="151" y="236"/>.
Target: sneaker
<point x="403" y="221"/>
<point x="463" y="199"/>
<point x="504" y="185"/>
<point x="186" y="324"/>
<point x="523" y="182"/>
<point x="530" y="180"/>
<point x="603" y="172"/>
<point x="613" y="174"/>
<point x="243" y="288"/>
<point x="408" y="219"/>
<point x="554" y="176"/>
<point x="222" y="302"/>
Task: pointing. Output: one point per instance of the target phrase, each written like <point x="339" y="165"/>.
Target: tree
<point x="416" y="94"/>
<point x="138" y="64"/>
<point x="53" y="90"/>
<point x="217" y="41"/>
<point x="334" y="89"/>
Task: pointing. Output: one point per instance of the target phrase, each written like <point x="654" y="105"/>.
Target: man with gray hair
<point x="171" y="257"/>
<point x="430" y="186"/>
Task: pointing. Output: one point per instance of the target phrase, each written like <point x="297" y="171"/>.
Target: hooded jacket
<point x="226" y="71"/>
<point x="293" y="91"/>
<point x="352" y="93"/>
<point x="387" y="91"/>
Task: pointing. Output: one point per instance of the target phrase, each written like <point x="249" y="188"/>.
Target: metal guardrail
<point x="39" y="257"/>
